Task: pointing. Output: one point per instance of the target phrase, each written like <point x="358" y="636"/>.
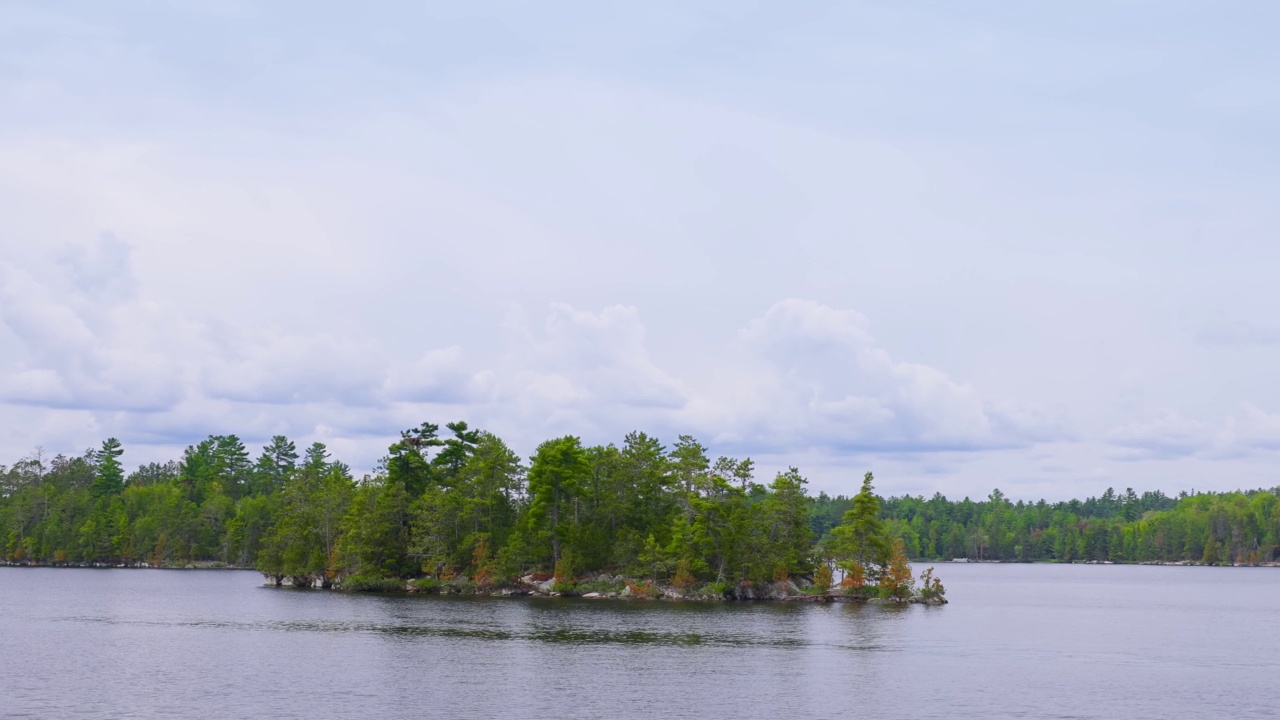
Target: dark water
<point x="1017" y="641"/>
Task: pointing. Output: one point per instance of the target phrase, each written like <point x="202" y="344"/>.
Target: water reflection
<point x="1017" y="641"/>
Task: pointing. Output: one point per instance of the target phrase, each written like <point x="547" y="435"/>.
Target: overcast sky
<point x="963" y="245"/>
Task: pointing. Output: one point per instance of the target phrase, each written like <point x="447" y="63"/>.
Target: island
<point x="460" y="512"/>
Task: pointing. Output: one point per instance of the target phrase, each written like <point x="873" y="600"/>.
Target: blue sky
<point x="990" y="245"/>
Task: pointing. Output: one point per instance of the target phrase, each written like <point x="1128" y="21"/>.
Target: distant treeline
<point x="463" y="503"/>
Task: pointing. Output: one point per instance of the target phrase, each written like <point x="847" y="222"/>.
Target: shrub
<point x="895" y="580"/>
<point x="930" y="586"/>
<point x="715" y="589"/>
<point x="855" y="576"/>
<point x="645" y="589"/>
<point x="367" y="583"/>
<point x="684" y="578"/>
<point x="485" y="572"/>
<point x="426" y="585"/>
<point x="601" y="586"/>
<point x="780" y="574"/>
<point x="822" y="579"/>
<point x="564" y="570"/>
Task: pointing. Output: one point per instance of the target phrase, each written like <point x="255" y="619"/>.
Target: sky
<point x="966" y="246"/>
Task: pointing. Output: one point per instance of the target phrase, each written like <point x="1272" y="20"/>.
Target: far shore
<point x="215" y="565"/>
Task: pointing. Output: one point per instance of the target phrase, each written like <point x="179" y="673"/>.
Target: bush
<point x="426" y="585"/>
<point x="930" y="586"/>
<point x="684" y="578"/>
<point x="822" y="579"/>
<point x="645" y="589"/>
<point x="366" y="583"/>
<point x="715" y="589"/>
<point x="601" y="586"/>
<point x="895" y="579"/>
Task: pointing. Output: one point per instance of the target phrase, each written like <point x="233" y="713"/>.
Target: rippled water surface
<point x="1036" y="641"/>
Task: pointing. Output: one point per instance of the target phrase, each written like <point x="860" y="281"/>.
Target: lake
<point x="1036" y="641"/>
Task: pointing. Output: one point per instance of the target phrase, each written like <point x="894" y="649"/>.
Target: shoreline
<point x="200" y="565"/>
<point x="218" y="565"/>
<point x="607" y="587"/>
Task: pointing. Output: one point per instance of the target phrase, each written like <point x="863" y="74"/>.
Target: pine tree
<point x="861" y="538"/>
<point x="109" y="478"/>
<point x="555" y="477"/>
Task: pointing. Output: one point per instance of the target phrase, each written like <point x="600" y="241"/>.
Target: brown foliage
<point x="483" y="572"/>
<point x="780" y="573"/>
<point x="822" y="577"/>
<point x="645" y="589"/>
<point x="855" y="576"/>
<point x="684" y="578"/>
<point x="896" y="581"/>
<point x="931" y="586"/>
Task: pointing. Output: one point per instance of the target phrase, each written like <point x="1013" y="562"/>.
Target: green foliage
<point x="556" y="477"/>
<point x="427" y="585"/>
<point x="109" y="478"/>
<point x="895" y="580"/>
<point x="862" y="537"/>
<point x="930" y="586"/>
<point x="602" y="586"/>
<point x="1211" y="528"/>
<point x="715" y="589"/>
<point x="644" y="589"/>
<point x="822" y="578"/>
<point x="462" y="510"/>
<point x="372" y="583"/>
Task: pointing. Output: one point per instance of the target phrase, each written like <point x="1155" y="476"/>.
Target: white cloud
<point x="1166" y="434"/>
<point x="583" y="372"/>
<point x="440" y="377"/>
<point x="1219" y="331"/>
<point x="261" y="367"/>
<point x="321" y="244"/>
<point x="1248" y="431"/>
<point x="813" y="377"/>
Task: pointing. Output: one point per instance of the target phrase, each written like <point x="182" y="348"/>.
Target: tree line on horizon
<point x="463" y="503"/>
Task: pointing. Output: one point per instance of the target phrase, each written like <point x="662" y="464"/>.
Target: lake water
<point x="1036" y="641"/>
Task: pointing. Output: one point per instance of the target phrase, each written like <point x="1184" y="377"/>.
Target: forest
<point x="461" y="503"/>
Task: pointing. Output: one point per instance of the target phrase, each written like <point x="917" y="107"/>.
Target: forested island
<point x="460" y="511"/>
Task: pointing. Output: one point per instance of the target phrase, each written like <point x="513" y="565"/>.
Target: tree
<point x="231" y="462"/>
<point x="317" y="459"/>
<point x="861" y="537"/>
<point x="895" y="580"/>
<point x="275" y="465"/>
<point x="822" y="578"/>
<point x="456" y="450"/>
<point x="109" y="478"/>
<point x="785" y="513"/>
<point x="409" y="461"/>
<point x="555" y="477"/>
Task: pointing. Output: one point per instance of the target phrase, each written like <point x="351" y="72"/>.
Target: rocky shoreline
<point x="610" y="587"/>
<point x="194" y="565"/>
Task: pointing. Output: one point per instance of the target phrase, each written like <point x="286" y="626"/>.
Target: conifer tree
<point x="109" y="476"/>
